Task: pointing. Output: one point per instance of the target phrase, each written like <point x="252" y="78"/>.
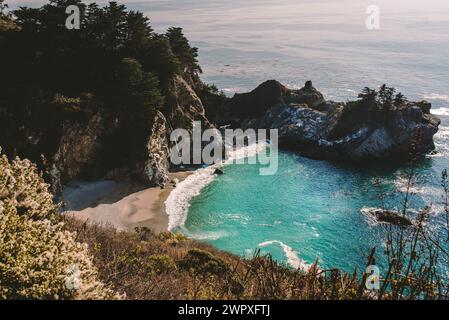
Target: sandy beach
<point x="122" y="205"/>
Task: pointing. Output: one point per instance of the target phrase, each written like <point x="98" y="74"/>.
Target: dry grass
<point x="169" y="266"/>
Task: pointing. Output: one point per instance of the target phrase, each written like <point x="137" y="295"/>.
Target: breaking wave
<point x="436" y="96"/>
<point x="440" y="111"/>
<point x="178" y="202"/>
<point x="291" y="255"/>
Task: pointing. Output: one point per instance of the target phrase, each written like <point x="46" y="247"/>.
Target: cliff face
<point x="335" y="131"/>
<point x="187" y="106"/>
<point x="157" y="164"/>
<point x="77" y="148"/>
<point x="108" y="145"/>
<point x="84" y="150"/>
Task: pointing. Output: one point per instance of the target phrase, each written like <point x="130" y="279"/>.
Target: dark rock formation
<point x="218" y="171"/>
<point x="78" y="147"/>
<point x="353" y="131"/>
<point x="387" y="216"/>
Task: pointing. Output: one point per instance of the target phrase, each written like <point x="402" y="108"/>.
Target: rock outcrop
<point x="78" y="147"/>
<point x="114" y="146"/>
<point x="387" y="216"/>
<point x="353" y="131"/>
<point x="157" y="165"/>
<point x="188" y="106"/>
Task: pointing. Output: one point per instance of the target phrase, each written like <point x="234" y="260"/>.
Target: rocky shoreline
<point x="370" y="128"/>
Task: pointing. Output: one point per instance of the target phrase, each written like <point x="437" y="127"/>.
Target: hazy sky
<point x="407" y="5"/>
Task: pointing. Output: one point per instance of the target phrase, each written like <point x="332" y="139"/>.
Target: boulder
<point x="388" y="216"/>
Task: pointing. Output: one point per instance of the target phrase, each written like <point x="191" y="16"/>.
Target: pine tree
<point x="385" y="97"/>
<point x="187" y="55"/>
<point x="368" y="94"/>
<point x="399" y="100"/>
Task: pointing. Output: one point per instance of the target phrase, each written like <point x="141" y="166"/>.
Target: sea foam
<point x="291" y="255"/>
<point x="178" y="202"/>
<point x="436" y="96"/>
<point x="440" y="111"/>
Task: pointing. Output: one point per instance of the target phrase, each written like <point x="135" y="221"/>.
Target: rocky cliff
<point x="86" y="149"/>
<point x="353" y="131"/>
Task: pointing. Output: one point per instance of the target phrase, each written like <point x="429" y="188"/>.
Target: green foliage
<point x="68" y="105"/>
<point x="160" y="59"/>
<point x="187" y="55"/>
<point x="171" y="238"/>
<point x="373" y="106"/>
<point x="38" y="258"/>
<point x="386" y="95"/>
<point x="135" y="88"/>
<point x="368" y="94"/>
<point x="203" y="262"/>
<point x="111" y="40"/>
<point x="212" y="99"/>
<point x="399" y="100"/>
<point x="161" y="264"/>
<point x="115" y="58"/>
<point x="384" y="99"/>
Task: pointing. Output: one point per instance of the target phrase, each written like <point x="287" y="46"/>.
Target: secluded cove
<point x="309" y="210"/>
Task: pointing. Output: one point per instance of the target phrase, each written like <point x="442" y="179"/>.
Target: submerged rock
<point x="388" y="216"/>
<point x="353" y="131"/>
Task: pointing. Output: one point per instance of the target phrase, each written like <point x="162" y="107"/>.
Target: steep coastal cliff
<point x="85" y="149"/>
<point x="104" y="111"/>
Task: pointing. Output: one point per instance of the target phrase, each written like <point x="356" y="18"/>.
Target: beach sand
<point x="99" y="202"/>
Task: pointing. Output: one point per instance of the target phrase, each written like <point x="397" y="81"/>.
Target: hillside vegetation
<point x="101" y="87"/>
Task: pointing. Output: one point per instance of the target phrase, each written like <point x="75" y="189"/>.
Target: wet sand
<point x="144" y="208"/>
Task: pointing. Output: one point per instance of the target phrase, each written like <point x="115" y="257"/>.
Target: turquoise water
<point x="311" y="206"/>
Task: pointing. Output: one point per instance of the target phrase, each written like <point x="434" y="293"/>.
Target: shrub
<point x="25" y="190"/>
<point x="161" y="264"/>
<point x="203" y="262"/>
<point x="38" y="258"/>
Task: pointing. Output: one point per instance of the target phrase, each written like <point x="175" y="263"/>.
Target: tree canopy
<point x="114" y="61"/>
<point x="384" y="99"/>
<point x="46" y="55"/>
